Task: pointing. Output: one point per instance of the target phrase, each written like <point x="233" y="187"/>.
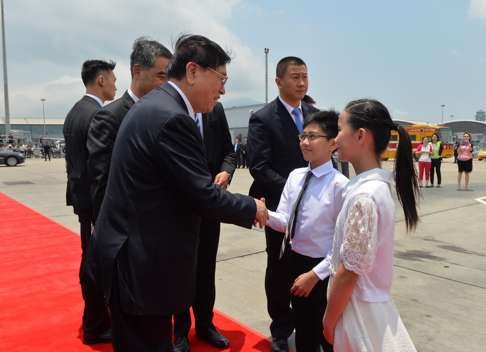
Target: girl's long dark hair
<point x="374" y="116"/>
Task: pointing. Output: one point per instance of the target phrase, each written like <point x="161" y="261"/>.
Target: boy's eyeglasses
<point x="310" y="136"/>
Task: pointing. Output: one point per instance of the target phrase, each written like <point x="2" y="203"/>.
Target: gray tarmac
<point x="440" y="270"/>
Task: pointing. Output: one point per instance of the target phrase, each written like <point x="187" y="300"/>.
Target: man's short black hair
<point x="145" y="52"/>
<point x="327" y="121"/>
<point x="92" y="68"/>
<point x="197" y="49"/>
<point x="286" y="62"/>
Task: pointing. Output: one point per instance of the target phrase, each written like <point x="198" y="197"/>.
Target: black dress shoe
<point x="280" y="345"/>
<point x="181" y="345"/>
<point x="93" y="339"/>
<point x="213" y="337"/>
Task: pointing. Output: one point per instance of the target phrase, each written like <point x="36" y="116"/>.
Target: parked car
<point x="11" y="158"/>
<point x="482" y="154"/>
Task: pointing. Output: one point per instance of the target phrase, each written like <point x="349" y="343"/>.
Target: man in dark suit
<point x="273" y="151"/>
<point x="149" y="61"/>
<point x="221" y="160"/>
<point x="99" y="80"/>
<point x="147" y="232"/>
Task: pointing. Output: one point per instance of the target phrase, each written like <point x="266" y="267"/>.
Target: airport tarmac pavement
<point x="440" y="270"/>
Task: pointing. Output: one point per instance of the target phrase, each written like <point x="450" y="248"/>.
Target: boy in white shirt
<point x="307" y="213"/>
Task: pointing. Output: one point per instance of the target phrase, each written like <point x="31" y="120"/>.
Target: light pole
<point x="442" y="113"/>
<point x="266" y="50"/>
<point x="5" y="78"/>
<point x="43" y="100"/>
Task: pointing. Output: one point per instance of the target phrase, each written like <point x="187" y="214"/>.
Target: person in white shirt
<point x="307" y="212"/>
<point x="424" y="153"/>
<point x="360" y="315"/>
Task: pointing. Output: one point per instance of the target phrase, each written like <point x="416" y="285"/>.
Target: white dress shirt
<point x="190" y="110"/>
<point x="318" y="211"/>
<point x="98" y="100"/>
<point x="291" y="108"/>
<point x="132" y="95"/>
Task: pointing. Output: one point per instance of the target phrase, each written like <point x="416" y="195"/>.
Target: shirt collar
<point x="132" y="95"/>
<point x="190" y="110"/>
<point x="375" y="174"/>
<point x="97" y="99"/>
<point x="289" y="107"/>
<point x="322" y="170"/>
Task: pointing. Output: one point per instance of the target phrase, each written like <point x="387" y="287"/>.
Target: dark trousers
<point x="436" y="168"/>
<point x="277" y="286"/>
<point x="205" y="296"/>
<point x="308" y="311"/>
<point x="96" y="319"/>
<point x="138" y="333"/>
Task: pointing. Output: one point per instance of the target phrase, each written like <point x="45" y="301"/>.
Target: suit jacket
<point x="75" y="132"/>
<point x="273" y="150"/>
<point x="101" y="138"/>
<point x="159" y="186"/>
<point x="217" y="142"/>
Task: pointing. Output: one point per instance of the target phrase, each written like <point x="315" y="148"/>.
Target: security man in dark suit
<point x="99" y="80"/>
<point x="273" y="151"/>
<point x="221" y="160"/>
<point x="149" y="62"/>
<point x="159" y="186"/>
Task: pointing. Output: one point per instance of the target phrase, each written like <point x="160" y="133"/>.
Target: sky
<point x="412" y="55"/>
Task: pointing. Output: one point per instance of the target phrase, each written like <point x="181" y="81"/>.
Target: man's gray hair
<point x="146" y="51"/>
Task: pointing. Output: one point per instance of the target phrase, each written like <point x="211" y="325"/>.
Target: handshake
<point x="261" y="215"/>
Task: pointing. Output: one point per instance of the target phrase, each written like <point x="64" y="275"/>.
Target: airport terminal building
<point x="33" y="129"/>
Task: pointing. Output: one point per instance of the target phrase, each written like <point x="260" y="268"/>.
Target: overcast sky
<point x="413" y="55"/>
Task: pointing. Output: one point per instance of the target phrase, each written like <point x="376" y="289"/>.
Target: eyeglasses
<point x="310" y="136"/>
<point x="222" y="76"/>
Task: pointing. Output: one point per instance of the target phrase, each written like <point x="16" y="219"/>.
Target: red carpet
<point x="40" y="297"/>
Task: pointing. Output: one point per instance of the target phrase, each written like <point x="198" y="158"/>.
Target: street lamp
<point x="442" y="113"/>
<point x="266" y="50"/>
<point x="43" y="100"/>
<point x="5" y="77"/>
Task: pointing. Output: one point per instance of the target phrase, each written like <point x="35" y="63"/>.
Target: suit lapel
<point x="286" y="120"/>
<point x="206" y="132"/>
<point x="174" y="94"/>
<point x="127" y="101"/>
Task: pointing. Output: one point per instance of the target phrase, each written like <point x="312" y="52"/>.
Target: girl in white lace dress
<point x="360" y="314"/>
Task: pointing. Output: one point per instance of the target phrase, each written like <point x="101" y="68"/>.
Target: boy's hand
<point x="304" y="284"/>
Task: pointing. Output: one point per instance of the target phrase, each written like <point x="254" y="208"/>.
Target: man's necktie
<point x="293" y="216"/>
<point x="198" y="124"/>
<point x="299" y="123"/>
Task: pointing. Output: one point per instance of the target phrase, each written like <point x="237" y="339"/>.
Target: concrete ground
<point x="440" y="270"/>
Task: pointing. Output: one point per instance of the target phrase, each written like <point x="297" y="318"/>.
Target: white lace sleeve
<point x="360" y="238"/>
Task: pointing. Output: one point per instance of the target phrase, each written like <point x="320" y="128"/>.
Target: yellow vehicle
<point x="482" y="155"/>
<point x="417" y="132"/>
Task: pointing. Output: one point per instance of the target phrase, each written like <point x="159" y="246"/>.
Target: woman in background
<point x="464" y="161"/>
<point x="424" y="152"/>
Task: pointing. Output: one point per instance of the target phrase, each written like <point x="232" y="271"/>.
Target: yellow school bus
<point x="417" y="132"/>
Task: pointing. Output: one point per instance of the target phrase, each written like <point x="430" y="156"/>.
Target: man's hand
<point x="261" y="216"/>
<point x="304" y="284"/>
<point x="222" y="179"/>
